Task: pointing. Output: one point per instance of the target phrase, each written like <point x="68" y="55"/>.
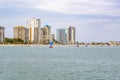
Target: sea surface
<point x="59" y="63"/>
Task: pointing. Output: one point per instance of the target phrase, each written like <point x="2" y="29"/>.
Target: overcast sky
<point x="95" y="20"/>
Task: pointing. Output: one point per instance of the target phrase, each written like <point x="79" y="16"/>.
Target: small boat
<point x="51" y="47"/>
<point x="51" y="43"/>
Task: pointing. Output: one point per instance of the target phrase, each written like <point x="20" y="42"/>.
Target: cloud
<point x="86" y="7"/>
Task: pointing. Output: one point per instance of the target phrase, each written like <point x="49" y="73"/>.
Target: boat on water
<point x="51" y="47"/>
<point x="51" y="44"/>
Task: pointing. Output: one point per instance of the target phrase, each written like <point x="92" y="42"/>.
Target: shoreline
<point x="54" y="45"/>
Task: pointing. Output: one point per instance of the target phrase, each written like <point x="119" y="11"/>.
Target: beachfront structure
<point x="45" y="33"/>
<point x="21" y="32"/>
<point x="113" y="43"/>
<point x="52" y="37"/>
<point x="2" y="34"/>
<point x="61" y="35"/>
<point x="71" y="35"/>
<point x="34" y="30"/>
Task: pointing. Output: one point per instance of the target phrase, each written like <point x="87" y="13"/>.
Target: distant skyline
<point x="95" y="20"/>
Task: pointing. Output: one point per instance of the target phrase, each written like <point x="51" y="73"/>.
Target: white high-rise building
<point x="61" y="35"/>
<point x="34" y="30"/>
<point x="2" y="34"/>
<point x="71" y="35"/>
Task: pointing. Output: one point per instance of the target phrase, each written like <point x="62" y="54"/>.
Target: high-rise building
<point x="52" y="37"/>
<point x="26" y="35"/>
<point x="45" y="33"/>
<point x="71" y="35"/>
<point x="21" y="32"/>
<point x="34" y="30"/>
<point x="2" y="34"/>
<point x="61" y="35"/>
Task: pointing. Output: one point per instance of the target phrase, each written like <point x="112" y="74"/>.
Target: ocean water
<point x="59" y="63"/>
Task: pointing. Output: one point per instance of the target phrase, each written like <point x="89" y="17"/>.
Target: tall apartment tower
<point x="71" y="35"/>
<point x="21" y="32"/>
<point x="2" y="34"/>
<point x="34" y="30"/>
<point x="46" y="33"/>
<point x="61" y="35"/>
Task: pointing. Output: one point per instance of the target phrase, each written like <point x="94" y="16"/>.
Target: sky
<point x="94" y="20"/>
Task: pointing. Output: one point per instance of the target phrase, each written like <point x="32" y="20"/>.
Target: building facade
<point x="21" y="32"/>
<point x="45" y="34"/>
<point x="71" y="35"/>
<point x="52" y="37"/>
<point x="61" y="35"/>
<point x="2" y="34"/>
<point x="34" y="30"/>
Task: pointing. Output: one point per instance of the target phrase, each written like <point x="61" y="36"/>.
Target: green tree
<point x="18" y="41"/>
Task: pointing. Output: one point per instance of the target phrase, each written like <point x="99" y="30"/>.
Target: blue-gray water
<point x="59" y="63"/>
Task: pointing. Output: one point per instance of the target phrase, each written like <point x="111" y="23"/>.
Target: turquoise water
<point x="59" y="63"/>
